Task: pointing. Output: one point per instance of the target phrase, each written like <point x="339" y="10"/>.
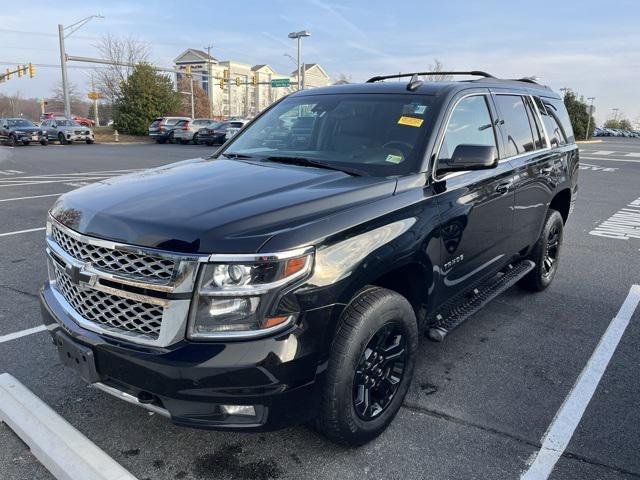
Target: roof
<point x="258" y="67"/>
<point x="198" y="53"/>
<point x="309" y="66"/>
<point x="432" y="88"/>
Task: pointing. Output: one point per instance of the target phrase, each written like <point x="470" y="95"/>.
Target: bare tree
<point x="56" y="99"/>
<point x="437" y="67"/>
<point x="123" y="51"/>
<point x="343" y="79"/>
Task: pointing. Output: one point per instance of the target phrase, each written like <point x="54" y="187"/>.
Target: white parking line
<point x="22" y="333"/>
<point x="17" y="232"/>
<point x="32" y="196"/>
<point x="59" y="446"/>
<point x="609" y="159"/>
<point x="561" y="430"/>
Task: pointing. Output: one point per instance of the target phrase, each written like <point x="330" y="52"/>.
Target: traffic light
<point x="237" y="81"/>
<point x="19" y="70"/>
<point x="254" y="80"/>
<point x="222" y="83"/>
<point x="225" y="74"/>
<point x="8" y="74"/>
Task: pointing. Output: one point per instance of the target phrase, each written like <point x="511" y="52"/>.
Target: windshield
<point x="381" y="135"/>
<point x="19" y="122"/>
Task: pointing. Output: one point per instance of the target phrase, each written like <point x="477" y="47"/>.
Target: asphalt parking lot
<point x="480" y="402"/>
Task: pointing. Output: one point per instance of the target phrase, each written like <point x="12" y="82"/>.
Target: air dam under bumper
<point x="192" y="380"/>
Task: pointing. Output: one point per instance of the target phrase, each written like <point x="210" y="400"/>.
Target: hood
<point x="212" y="206"/>
<point x="27" y="129"/>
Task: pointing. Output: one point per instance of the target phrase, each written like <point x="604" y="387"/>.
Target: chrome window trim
<point x="259" y="257"/>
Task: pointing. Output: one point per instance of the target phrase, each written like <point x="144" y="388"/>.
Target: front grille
<point x="77" y="132"/>
<point x="134" y="265"/>
<point x="111" y="311"/>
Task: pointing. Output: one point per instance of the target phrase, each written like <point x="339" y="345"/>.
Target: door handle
<point x="503" y="188"/>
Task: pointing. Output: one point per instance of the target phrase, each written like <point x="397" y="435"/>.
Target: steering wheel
<point x="404" y="147"/>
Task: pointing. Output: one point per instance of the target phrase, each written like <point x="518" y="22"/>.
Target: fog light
<point x="244" y="410"/>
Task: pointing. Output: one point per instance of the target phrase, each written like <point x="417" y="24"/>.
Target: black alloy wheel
<point x="379" y="372"/>
<point x="551" y="253"/>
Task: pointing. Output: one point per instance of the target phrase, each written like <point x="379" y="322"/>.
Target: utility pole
<point x="210" y="80"/>
<point x="229" y="93"/>
<point x="63" y="57"/>
<point x="193" y="108"/>
<point x="586" y="135"/>
<point x="63" y="65"/>
<point x="246" y="96"/>
<point x="615" y="113"/>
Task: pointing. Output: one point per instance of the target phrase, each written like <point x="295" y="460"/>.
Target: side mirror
<point x="470" y="157"/>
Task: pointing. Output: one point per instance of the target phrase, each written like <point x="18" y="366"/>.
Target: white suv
<point x="187" y="130"/>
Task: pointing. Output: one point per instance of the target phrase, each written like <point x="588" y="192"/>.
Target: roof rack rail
<point x="475" y="73"/>
<point x="527" y="79"/>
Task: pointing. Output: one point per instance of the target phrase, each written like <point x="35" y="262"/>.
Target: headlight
<point x="235" y="293"/>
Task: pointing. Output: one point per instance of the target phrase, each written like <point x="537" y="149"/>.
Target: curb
<point x="588" y="141"/>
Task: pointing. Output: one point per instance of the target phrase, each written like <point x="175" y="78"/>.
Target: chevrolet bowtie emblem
<point x="77" y="275"/>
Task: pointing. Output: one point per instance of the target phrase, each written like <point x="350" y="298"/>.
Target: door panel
<point x="476" y="207"/>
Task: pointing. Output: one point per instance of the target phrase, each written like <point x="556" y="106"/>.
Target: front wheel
<point x="196" y="140"/>
<point x="370" y="367"/>
<point x="89" y="141"/>
<point x="545" y="253"/>
<point x="44" y="142"/>
<point x="12" y="140"/>
<point x="62" y="139"/>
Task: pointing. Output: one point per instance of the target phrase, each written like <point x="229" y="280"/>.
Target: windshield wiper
<point x="308" y="162"/>
<point x="235" y="155"/>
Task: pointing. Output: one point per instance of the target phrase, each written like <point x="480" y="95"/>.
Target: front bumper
<point x="28" y="137"/>
<point x="190" y="381"/>
<point x="78" y="137"/>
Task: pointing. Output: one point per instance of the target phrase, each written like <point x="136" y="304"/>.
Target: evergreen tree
<point x="578" y="113"/>
<point x="145" y="95"/>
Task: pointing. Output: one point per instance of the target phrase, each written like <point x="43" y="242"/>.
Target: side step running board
<point x="462" y="306"/>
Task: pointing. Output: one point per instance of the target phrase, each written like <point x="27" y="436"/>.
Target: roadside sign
<point x="93" y="95"/>
<point x="280" y="82"/>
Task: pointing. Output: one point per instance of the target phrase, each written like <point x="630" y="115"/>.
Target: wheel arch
<point x="561" y="202"/>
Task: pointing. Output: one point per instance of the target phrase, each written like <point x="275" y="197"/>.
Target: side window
<point x="515" y="122"/>
<point x="556" y="108"/>
<point x="536" y="126"/>
<point x="469" y="124"/>
<point x="554" y="126"/>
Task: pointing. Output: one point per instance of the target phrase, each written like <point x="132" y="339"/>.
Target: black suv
<point x="15" y="131"/>
<point x="287" y="278"/>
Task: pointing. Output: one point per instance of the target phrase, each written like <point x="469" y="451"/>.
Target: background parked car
<point x="187" y="130"/>
<point x="20" y="130"/>
<point x="220" y="133"/>
<point x="161" y="129"/>
<point x="85" y="122"/>
<point x="66" y="131"/>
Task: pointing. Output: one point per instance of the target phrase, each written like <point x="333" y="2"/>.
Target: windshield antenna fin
<point x="414" y="83"/>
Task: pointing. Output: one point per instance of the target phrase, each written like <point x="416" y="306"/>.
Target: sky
<point x="592" y="47"/>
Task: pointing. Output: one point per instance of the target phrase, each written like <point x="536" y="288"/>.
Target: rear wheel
<point x="545" y="253"/>
<point x="172" y="139"/>
<point x="44" y="142"/>
<point x="370" y="367"/>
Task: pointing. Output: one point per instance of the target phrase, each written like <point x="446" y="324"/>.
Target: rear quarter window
<point x="555" y="107"/>
<point x="515" y="123"/>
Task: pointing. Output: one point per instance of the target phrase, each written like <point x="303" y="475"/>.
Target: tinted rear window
<point x="519" y="136"/>
<point x="556" y="108"/>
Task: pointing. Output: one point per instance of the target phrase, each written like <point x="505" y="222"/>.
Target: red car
<point x="85" y="122"/>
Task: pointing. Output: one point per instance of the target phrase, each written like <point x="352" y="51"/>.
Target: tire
<point x="195" y="139"/>
<point x="545" y="254"/>
<point x="378" y="323"/>
<point x="12" y="140"/>
<point x="44" y="142"/>
<point x="161" y="140"/>
<point x="26" y="143"/>
<point x="172" y="139"/>
<point x="62" y="139"/>
<point x="89" y="141"/>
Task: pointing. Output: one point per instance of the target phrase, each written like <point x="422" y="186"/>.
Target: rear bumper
<point x="207" y="137"/>
<point x="190" y="381"/>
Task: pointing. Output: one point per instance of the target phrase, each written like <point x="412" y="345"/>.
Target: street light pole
<point x="63" y="58"/>
<point x="298" y="36"/>
<point x="65" y="81"/>
<point x="586" y="135"/>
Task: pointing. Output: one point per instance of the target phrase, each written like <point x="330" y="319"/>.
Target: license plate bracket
<point x="76" y="356"/>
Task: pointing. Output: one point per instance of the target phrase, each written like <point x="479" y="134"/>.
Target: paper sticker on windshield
<point x="411" y="121"/>
<point x="394" y="158"/>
